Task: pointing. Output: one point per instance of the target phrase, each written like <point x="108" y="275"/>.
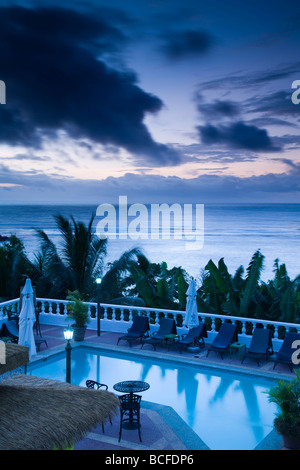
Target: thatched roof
<point x="16" y="355"/>
<point x="38" y="414"/>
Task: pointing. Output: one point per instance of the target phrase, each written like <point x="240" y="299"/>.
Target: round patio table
<point x="131" y="387"/>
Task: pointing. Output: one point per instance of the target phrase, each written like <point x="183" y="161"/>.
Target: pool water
<point x="227" y="411"/>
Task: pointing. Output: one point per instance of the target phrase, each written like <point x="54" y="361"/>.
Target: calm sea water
<point x="234" y="232"/>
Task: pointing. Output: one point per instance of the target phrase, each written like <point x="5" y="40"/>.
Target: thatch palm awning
<point x="40" y="414"/>
<point x="15" y="356"/>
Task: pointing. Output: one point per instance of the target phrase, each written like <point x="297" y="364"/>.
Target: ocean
<point x="231" y="231"/>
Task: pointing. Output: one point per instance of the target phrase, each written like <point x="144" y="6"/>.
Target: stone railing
<point x="118" y="318"/>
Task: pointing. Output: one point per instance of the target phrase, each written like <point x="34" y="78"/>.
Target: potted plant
<point x="78" y="311"/>
<point x="287" y="422"/>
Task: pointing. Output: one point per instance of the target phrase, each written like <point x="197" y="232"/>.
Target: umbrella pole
<point x="193" y="348"/>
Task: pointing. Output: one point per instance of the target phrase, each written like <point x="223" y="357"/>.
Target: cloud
<point x="251" y="80"/>
<point x="256" y="114"/>
<point x="237" y="135"/>
<point x="189" y="43"/>
<point x="206" y="188"/>
<point x="54" y="64"/>
<point x="279" y="102"/>
<point x="218" y="109"/>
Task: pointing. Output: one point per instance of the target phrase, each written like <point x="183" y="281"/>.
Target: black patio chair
<point x="10" y="329"/>
<point x="97" y="386"/>
<point x="227" y="335"/>
<point x="167" y="326"/>
<point x="138" y="330"/>
<point x="284" y="355"/>
<point x="261" y="345"/>
<point x="195" y="336"/>
<point x="130" y="405"/>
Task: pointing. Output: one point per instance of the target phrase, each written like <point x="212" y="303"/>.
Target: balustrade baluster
<point x="130" y="314"/>
<point x="113" y="317"/>
<point x="89" y="310"/>
<point x="122" y="314"/>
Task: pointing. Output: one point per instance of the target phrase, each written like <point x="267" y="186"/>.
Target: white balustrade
<point x="119" y="317"/>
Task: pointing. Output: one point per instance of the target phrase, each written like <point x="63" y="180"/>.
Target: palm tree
<point x="221" y="293"/>
<point x="282" y="296"/>
<point x="78" y="261"/>
<point x="115" y="285"/>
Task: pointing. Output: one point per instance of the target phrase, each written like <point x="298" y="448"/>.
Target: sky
<point x="161" y="101"/>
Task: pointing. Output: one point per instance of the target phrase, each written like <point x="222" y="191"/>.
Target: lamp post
<point x="68" y="334"/>
<point x="98" y="281"/>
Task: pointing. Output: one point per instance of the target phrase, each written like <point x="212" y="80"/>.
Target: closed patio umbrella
<point x="191" y="313"/>
<point x="27" y="319"/>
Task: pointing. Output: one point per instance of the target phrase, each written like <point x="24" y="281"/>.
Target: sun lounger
<point x="226" y="335"/>
<point x="195" y="336"/>
<point x="260" y="346"/>
<point x="284" y="355"/>
<point x="137" y="331"/>
<point x="167" y="327"/>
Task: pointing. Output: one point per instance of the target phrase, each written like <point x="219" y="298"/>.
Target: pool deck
<point x="162" y="428"/>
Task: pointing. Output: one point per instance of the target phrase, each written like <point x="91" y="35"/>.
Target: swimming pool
<point x="227" y="411"/>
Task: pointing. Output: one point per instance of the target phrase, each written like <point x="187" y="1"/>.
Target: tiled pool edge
<point x="193" y="361"/>
<point x="273" y="441"/>
<point x="186" y="434"/>
<point x="183" y="361"/>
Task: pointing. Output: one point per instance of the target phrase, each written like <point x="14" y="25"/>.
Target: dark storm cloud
<point x="53" y="63"/>
<point x="217" y="109"/>
<point x="179" y="45"/>
<point x="248" y="133"/>
<point x="237" y="135"/>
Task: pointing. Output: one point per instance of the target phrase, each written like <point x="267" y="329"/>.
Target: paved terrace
<point x="162" y="428"/>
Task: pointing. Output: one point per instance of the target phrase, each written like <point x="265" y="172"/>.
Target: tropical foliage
<point x="286" y="395"/>
<point x="79" y="258"/>
<point x="13" y="265"/>
<point x="76" y="263"/>
<point x="277" y="300"/>
<point x="77" y="309"/>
